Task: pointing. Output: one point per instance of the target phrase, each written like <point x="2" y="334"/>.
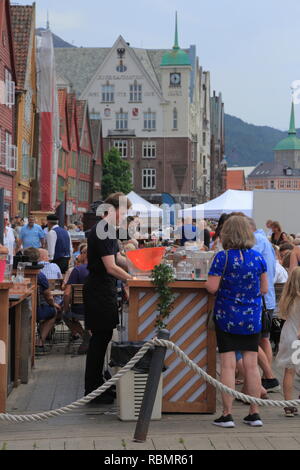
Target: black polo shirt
<point x="99" y="248"/>
<point x="100" y="290"/>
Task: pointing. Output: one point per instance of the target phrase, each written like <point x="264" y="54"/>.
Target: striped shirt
<point x="51" y="271"/>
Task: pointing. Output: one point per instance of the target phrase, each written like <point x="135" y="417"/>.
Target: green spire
<point x="292" y="122"/>
<point x="176" y="43"/>
<point x="175" y="57"/>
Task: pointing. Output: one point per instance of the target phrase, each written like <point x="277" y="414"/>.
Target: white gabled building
<point x="155" y="108"/>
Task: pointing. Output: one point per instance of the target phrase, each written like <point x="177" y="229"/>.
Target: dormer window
<point x="288" y="171"/>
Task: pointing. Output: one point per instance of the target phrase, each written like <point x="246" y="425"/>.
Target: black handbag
<point x="266" y="318"/>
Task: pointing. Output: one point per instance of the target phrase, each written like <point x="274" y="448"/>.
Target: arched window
<point x="175" y="119"/>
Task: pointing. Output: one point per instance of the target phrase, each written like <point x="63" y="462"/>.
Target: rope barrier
<point x="155" y="342"/>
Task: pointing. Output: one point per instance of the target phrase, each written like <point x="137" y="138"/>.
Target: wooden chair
<point x="77" y="294"/>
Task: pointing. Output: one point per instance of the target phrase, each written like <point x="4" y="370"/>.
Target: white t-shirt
<point x="10" y="243"/>
<point x="281" y="275"/>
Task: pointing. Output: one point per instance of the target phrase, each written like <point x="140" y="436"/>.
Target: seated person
<point x="47" y="308"/>
<point x="73" y="314"/>
<point x="79" y="259"/>
<point x="51" y="270"/>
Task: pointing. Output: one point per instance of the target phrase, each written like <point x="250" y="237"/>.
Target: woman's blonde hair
<point x="236" y="234"/>
<point x="290" y="293"/>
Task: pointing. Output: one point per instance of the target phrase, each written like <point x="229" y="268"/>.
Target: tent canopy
<point x="142" y="207"/>
<point x="230" y="201"/>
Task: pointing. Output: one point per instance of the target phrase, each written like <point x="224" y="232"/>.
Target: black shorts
<point x="228" y="342"/>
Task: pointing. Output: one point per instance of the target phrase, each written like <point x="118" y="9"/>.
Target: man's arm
<point x="122" y="262"/>
<point x="67" y="297"/>
<point x="114" y="270"/>
<point x="51" y="242"/>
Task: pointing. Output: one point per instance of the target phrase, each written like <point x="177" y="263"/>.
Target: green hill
<point x="247" y="144"/>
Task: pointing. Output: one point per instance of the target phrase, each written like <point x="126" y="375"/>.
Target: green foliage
<point x="247" y="144"/>
<point x="116" y="174"/>
<point x="162" y="276"/>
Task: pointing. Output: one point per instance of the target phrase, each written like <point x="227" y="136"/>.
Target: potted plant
<point x="163" y="275"/>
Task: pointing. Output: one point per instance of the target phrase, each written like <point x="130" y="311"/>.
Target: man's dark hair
<point x="32" y="254"/>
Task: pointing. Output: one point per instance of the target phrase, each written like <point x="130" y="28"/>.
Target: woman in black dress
<point x="278" y="236"/>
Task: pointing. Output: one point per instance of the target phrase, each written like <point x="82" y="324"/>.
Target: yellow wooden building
<point x="23" y="25"/>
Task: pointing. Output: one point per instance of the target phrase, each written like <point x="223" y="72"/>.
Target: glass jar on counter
<point x="185" y="270"/>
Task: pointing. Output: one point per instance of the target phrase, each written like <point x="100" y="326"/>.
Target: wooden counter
<point x="183" y="390"/>
<point x="15" y="345"/>
<point x="32" y="274"/>
<point x="4" y="321"/>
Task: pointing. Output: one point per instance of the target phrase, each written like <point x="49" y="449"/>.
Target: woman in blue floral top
<point x="238" y="276"/>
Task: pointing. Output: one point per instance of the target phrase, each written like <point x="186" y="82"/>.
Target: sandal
<point x="290" y="411"/>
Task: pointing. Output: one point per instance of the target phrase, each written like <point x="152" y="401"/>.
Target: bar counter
<point x="183" y="390"/>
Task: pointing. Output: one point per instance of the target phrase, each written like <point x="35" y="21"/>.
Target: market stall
<point x="183" y="390"/>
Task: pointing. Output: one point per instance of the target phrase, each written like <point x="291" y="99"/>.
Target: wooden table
<point x="21" y="334"/>
<point x="4" y="321"/>
<point x="32" y="274"/>
<point x="183" y="390"/>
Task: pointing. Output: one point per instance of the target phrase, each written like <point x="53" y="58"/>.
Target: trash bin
<point x="131" y="386"/>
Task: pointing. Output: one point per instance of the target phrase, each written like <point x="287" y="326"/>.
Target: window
<point x="122" y="147"/>
<point x="83" y="193"/>
<point x="60" y="189"/>
<point x="84" y="164"/>
<point x="149" y="121"/>
<point x="61" y="160"/>
<point x="121" y="121"/>
<point x="204" y="162"/>
<point x="149" y="179"/>
<point x="175" y="119"/>
<point x="10" y="154"/>
<point x="25" y="160"/>
<point x="281" y="184"/>
<point x="108" y="93"/>
<point x="9" y="89"/>
<point x="149" y="149"/>
<point x="74" y="161"/>
<point x="193" y="181"/>
<point x="204" y="138"/>
<point x="135" y="92"/>
<point x="72" y="187"/>
<point x="272" y="184"/>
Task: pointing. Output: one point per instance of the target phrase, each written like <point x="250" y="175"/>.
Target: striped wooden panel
<point x="183" y="390"/>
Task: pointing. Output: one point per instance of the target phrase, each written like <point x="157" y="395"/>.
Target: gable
<point x="6" y="29"/>
<point x="121" y="67"/>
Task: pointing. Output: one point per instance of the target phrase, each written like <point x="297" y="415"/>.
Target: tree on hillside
<point x="116" y="174"/>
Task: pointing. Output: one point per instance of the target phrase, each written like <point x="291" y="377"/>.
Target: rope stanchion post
<point x="156" y="368"/>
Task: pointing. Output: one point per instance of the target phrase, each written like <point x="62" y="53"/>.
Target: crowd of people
<point x="243" y="276"/>
<point x="248" y="264"/>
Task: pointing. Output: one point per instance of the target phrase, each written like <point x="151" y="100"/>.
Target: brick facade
<point x="173" y="164"/>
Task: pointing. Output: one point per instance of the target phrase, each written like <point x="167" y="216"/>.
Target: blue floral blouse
<point x="238" y="305"/>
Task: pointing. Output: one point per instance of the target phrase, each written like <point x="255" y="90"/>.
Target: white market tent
<point x="142" y="207"/>
<point x="230" y="201"/>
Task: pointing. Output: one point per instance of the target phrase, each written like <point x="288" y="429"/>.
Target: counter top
<point x="176" y="284"/>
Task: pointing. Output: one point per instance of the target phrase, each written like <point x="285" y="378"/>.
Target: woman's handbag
<point x="211" y="325"/>
<point x="266" y="318"/>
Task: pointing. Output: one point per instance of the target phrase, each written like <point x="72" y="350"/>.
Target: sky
<point x="249" y="47"/>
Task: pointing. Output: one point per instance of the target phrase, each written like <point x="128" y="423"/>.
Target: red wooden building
<point x="8" y="149"/>
<point x="86" y="152"/>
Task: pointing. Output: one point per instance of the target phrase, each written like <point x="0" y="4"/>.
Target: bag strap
<point x="225" y="267"/>
<point x="264" y="303"/>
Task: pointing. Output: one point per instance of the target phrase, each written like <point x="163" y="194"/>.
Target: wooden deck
<point x="58" y="381"/>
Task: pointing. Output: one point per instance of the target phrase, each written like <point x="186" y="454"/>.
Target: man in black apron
<point x="105" y="265"/>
